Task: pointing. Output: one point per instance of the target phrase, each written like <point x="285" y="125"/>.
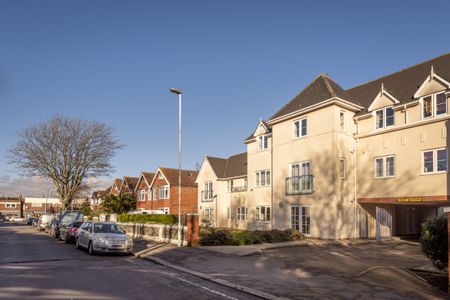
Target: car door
<point x="82" y="234"/>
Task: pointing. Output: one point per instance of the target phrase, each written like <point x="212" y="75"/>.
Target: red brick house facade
<point x="164" y="191"/>
<point x="11" y="206"/>
<point x="143" y="191"/>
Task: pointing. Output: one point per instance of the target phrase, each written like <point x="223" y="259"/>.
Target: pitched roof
<point x="148" y="176"/>
<point x="118" y="183"/>
<point x="102" y="193"/>
<point x="233" y="166"/>
<point x="188" y="177"/>
<point x="130" y="182"/>
<point x="402" y="84"/>
<point x="320" y="89"/>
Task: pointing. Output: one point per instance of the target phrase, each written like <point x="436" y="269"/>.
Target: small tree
<point x="121" y="204"/>
<point x="434" y="241"/>
<point x="67" y="151"/>
<point x="86" y="208"/>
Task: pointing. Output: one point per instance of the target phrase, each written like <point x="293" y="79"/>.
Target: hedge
<point x="154" y="219"/>
<point x="215" y="237"/>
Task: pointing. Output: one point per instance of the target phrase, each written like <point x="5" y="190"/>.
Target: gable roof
<point x="320" y="89"/>
<point x="402" y="84"/>
<point x="233" y="166"/>
<point x="147" y="176"/>
<point x="188" y="177"/>
<point x="129" y="183"/>
<point x="266" y="126"/>
<point x="117" y="183"/>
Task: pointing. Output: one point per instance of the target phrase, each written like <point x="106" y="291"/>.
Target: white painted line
<point x="203" y="287"/>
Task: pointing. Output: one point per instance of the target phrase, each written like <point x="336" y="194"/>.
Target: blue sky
<point x="236" y="61"/>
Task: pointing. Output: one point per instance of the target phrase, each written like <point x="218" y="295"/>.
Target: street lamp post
<point x="178" y="92"/>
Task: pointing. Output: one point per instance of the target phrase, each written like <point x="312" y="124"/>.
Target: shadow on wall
<point x="332" y="202"/>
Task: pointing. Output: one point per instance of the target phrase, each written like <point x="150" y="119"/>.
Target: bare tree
<point x="67" y="151"/>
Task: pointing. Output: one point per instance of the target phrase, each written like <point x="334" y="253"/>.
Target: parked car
<point x="67" y="217"/>
<point x="103" y="237"/>
<point x="69" y="232"/>
<point x="54" y="228"/>
<point x="43" y="221"/>
<point x="48" y="227"/>
<point x="31" y="220"/>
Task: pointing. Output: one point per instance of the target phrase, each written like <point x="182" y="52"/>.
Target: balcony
<point x="235" y="189"/>
<point x="207" y="196"/>
<point x="299" y="185"/>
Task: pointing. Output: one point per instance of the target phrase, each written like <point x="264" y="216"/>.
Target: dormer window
<point x="384" y="117"/>
<point x="263" y="143"/>
<point x="434" y="105"/>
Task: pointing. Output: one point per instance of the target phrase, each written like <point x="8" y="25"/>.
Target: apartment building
<point x="11" y="207"/>
<point x="223" y="198"/>
<point x="336" y="163"/>
<point x="37" y="206"/>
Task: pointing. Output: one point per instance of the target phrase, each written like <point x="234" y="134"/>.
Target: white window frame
<point x="149" y="194"/>
<point x="164" y="192"/>
<point x="263" y="214"/>
<point x="435" y="161"/>
<point x="154" y="193"/>
<point x="263" y="142"/>
<point x="342" y="172"/>
<point x="342" y="121"/>
<point x="300" y="134"/>
<point x="384" y="166"/>
<point x="241" y="213"/>
<point x="267" y="178"/>
<point x="433" y="105"/>
<point x="141" y="195"/>
<point x="300" y="215"/>
<point x="384" y="109"/>
<point x="160" y="176"/>
<point x="208" y="190"/>
<point x="208" y="211"/>
<point x="300" y="164"/>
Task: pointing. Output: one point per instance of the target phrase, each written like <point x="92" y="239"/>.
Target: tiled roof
<point x="148" y="176"/>
<point x="233" y="166"/>
<point x="320" y="89"/>
<point x="188" y="177"/>
<point x="130" y="182"/>
<point x="402" y="84"/>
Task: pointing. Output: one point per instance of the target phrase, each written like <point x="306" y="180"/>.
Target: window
<point x="208" y="191"/>
<point x="385" y="166"/>
<point x="155" y="193"/>
<point x="164" y="192"/>
<point x="434" y="161"/>
<point x="241" y="213"/>
<point x="434" y="105"/>
<point x="384" y="117"/>
<point x="263" y="143"/>
<point x="262" y="214"/>
<point x="301" y="219"/>
<point x="230" y="185"/>
<point x="263" y="178"/>
<point x="208" y="214"/>
<point x="141" y="195"/>
<point x="342" y="120"/>
<point x="11" y="205"/>
<point x="301" y="128"/>
<point x="342" y="167"/>
<point x="160" y="176"/>
<point x="149" y="194"/>
<point x="228" y="213"/>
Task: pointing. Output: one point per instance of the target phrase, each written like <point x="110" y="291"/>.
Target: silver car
<point x="103" y="237"/>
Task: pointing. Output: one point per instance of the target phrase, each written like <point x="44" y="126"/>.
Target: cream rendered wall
<point x="407" y="146"/>
<point x="331" y="208"/>
<point x="257" y="160"/>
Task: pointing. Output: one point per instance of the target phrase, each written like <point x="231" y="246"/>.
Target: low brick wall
<point x="155" y="232"/>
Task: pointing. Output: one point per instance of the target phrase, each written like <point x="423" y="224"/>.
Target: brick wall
<point x="188" y="200"/>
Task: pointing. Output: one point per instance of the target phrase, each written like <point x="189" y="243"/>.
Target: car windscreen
<point x="76" y="224"/>
<point x="107" y="228"/>
<point x="70" y="216"/>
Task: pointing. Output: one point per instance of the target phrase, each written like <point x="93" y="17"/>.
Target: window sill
<point x="299" y="137"/>
<point x="434" y="173"/>
<point x="383" y="177"/>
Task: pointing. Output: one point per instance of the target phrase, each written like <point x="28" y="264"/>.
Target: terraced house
<point x="344" y="163"/>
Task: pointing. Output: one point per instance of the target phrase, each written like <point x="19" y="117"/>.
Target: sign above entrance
<point x="410" y="199"/>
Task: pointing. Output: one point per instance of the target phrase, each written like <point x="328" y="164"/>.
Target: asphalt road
<point x="34" y="265"/>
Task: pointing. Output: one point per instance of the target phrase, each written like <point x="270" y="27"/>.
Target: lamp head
<point x="176" y="91"/>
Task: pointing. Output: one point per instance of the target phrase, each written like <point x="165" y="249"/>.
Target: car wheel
<point x="77" y="244"/>
<point x="91" y="249"/>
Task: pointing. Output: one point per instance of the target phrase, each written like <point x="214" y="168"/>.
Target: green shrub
<point x="434" y="241"/>
<point x="216" y="238"/>
<point x="155" y="219"/>
<point x="242" y="237"/>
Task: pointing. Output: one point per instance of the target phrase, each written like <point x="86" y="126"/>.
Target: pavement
<point x="34" y="265"/>
<point x="314" y="271"/>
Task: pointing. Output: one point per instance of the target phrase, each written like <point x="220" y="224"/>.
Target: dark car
<point x="31" y="220"/>
<point x="69" y="232"/>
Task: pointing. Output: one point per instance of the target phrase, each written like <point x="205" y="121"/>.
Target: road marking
<point x="203" y="287"/>
<point x="130" y="261"/>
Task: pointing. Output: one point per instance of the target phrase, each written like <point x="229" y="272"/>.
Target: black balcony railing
<point x="235" y="189"/>
<point x="298" y="185"/>
<point x="207" y="196"/>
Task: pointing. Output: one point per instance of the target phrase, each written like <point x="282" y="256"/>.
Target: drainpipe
<point x="355" y="212"/>
<point x="271" y="183"/>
